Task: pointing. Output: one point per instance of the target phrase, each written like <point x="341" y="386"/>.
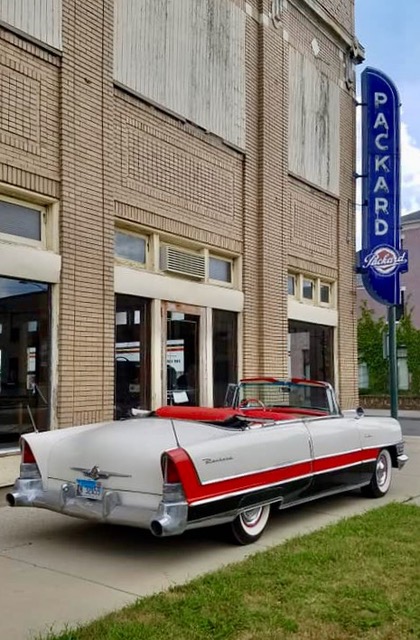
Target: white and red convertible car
<point x="278" y="444"/>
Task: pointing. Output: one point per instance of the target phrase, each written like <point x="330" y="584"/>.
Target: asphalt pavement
<point x="56" y="570"/>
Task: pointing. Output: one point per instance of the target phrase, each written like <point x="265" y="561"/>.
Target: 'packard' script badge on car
<point x="213" y="460"/>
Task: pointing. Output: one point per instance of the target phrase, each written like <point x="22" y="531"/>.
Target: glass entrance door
<point x="24" y="359"/>
<point x="182" y="360"/>
<point x="132" y="369"/>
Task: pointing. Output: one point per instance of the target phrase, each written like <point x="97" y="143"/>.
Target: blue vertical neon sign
<point x="381" y="260"/>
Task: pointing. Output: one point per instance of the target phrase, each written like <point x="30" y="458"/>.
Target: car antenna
<point x="32" y="418"/>
<point x="175" y="433"/>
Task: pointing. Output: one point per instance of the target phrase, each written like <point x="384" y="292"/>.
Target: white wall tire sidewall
<point x="384" y="456"/>
<point x="256" y="528"/>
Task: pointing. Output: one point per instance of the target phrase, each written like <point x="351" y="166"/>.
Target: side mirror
<point x="360" y="412"/>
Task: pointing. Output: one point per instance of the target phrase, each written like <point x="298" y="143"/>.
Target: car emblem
<point x="96" y="473"/>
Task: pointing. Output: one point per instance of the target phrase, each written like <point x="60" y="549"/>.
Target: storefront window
<point x="225" y="369"/>
<point x="24" y="359"/>
<point x="311" y="351"/>
<point x="132" y="361"/>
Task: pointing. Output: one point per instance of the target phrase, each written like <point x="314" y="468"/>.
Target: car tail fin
<point x="173" y="488"/>
<point x="28" y="465"/>
<point x="27" y="454"/>
<point x="169" y="470"/>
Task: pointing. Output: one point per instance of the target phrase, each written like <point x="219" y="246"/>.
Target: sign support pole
<point x="393" y="366"/>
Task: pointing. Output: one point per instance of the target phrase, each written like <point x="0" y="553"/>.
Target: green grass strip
<point x="359" y="578"/>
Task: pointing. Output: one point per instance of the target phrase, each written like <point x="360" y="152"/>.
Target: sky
<point x="390" y="32"/>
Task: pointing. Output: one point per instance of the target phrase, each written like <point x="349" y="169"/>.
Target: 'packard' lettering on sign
<point x="381" y="259"/>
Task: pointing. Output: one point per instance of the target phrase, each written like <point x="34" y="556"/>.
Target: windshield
<point x="280" y="394"/>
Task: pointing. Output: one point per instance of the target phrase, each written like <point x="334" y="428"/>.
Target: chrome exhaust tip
<point x="11" y="499"/>
<point x="156" y="528"/>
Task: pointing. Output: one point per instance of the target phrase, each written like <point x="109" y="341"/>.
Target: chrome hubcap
<point x="381" y="471"/>
<point x="251" y="517"/>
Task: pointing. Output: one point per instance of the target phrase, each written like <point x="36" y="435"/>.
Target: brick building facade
<point x="176" y="203"/>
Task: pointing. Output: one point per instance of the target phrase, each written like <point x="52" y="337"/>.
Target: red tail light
<point x="27" y="455"/>
<point x="169" y="470"/>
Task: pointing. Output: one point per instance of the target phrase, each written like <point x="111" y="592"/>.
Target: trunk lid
<point x="129" y="451"/>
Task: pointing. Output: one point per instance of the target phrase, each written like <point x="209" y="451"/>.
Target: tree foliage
<point x="409" y="337"/>
<point x="370" y="335"/>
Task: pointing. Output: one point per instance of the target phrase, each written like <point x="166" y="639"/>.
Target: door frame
<point x="204" y="344"/>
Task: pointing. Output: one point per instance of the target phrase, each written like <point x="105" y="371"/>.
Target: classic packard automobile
<point x="277" y="444"/>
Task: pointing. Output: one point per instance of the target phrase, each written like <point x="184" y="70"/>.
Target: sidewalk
<point x="386" y="413"/>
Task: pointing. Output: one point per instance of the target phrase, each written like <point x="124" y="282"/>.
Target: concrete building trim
<point x="153" y="285"/>
<point x="310" y="313"/>
<point x="29" y="263"/>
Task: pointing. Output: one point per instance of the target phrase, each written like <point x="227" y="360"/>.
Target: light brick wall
<point x="341" y="10"/>
<point x="86" y="342"/>
<point x="171" y="177"/>
<point x="29" y="121"/>
<point x="265" y="225"/>
<point x="347" y="330"/>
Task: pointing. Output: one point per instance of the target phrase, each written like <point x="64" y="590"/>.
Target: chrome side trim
<point x="344" y="466"/>
<point x="250" y="490"/>
<point x="280" y="482"/>
<point x="284" y="465"/>
<point x="291" y="463"/>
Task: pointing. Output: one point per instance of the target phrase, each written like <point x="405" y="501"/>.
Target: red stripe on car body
<point x="344" y="460"/>
<point x="195" y="491"/>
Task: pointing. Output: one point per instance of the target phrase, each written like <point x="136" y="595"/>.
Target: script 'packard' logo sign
<point x="385" y="260"/>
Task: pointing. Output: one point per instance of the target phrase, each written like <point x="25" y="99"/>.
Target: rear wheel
<point x="249" y="525"/>
<point x="381" y="479"/>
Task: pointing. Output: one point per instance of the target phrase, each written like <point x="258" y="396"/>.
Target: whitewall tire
<point x="381" y="479"/>
<point x="249" y="525"/>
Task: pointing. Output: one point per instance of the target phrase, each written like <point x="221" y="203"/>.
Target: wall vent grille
<point x="183" y="263"/>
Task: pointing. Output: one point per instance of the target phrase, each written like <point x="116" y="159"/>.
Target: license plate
<point x="89" y="489"/>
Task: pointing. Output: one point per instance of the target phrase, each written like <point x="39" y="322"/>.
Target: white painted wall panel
<point x="38" y="18"/>
<point x="187" y="56"/>
<point x="314" y="124"/>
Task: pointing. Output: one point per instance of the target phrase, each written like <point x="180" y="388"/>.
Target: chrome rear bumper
<point x="165" y="519"/>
